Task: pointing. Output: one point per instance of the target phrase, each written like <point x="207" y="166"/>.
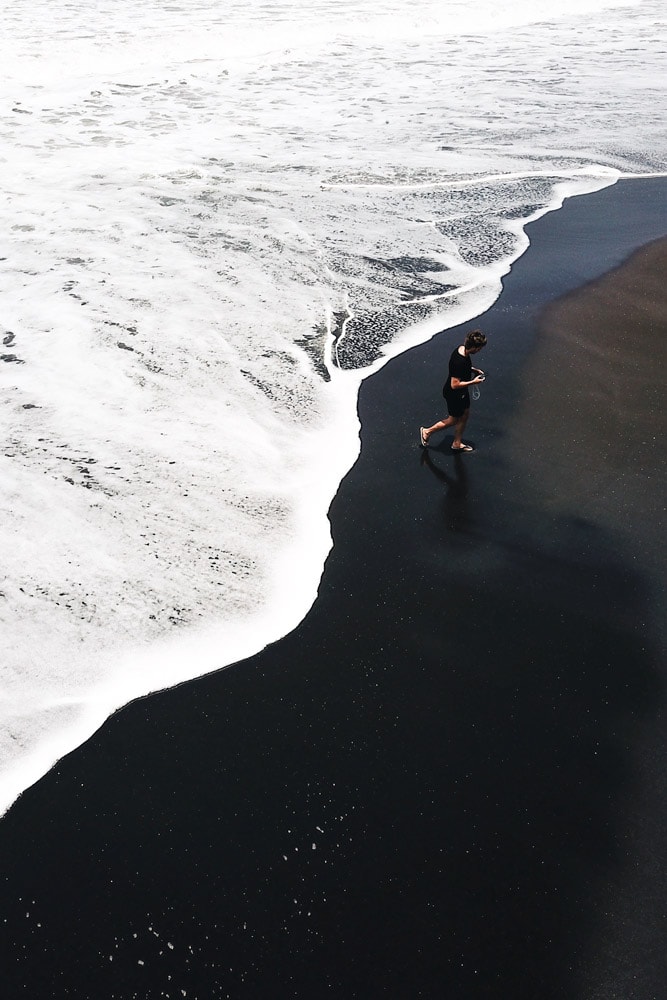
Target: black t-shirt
<point x="460" y="366"/>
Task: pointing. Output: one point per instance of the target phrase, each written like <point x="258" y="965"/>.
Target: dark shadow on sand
<point x="455" y="500"/>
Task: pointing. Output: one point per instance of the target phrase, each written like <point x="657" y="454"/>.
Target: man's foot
<point x="462" y="447"/>
<point x="423" y="439"/>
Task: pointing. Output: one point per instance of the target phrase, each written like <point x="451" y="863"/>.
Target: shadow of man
<point x="456" y="499"/>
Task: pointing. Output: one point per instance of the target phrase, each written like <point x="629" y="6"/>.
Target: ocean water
<point x="217" y="219"/>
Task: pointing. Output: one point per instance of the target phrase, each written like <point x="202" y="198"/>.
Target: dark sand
<point x="450" y="780"/>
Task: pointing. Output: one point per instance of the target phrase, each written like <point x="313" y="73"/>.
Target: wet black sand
<point x="450" y="780"/>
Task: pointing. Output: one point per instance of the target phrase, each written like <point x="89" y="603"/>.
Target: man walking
<point x="455" y="391"/>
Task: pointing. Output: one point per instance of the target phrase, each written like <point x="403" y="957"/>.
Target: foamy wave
<point x="206" y="247"/>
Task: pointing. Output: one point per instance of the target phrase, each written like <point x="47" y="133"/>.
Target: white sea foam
<point x="214" y="225"/>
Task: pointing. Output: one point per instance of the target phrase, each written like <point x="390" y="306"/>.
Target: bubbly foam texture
<point x="213" y="227"/>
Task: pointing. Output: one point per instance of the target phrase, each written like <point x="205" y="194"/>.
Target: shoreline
<point x="425" y="789"/>
<point x="140" y="669"/>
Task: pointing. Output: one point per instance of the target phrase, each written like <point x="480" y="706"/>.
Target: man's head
<point x="475" y="341"/>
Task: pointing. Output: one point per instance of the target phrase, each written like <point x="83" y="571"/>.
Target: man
<point x="455" y="391"/>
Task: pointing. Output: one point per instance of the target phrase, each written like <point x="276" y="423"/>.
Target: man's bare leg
<point x="440" y="426"/>
<point x="461" y="422"/>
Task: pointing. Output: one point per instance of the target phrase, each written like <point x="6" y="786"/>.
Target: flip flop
<point x="423" y="443"/>
<point x="464" y="447"/>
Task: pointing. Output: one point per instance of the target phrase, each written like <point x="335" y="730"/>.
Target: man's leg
<point x="440" y="426"/>
<point x="460" y="427"/>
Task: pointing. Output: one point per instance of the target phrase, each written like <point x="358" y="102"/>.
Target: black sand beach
<point x="450" y="780"/>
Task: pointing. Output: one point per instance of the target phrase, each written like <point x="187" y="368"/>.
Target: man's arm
<point x="458" y="384"/>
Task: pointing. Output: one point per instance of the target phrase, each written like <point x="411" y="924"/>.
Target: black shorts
<point x="458" y="401"/>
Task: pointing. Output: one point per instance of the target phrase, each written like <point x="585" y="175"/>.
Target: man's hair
<point x="475" y="339"/>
